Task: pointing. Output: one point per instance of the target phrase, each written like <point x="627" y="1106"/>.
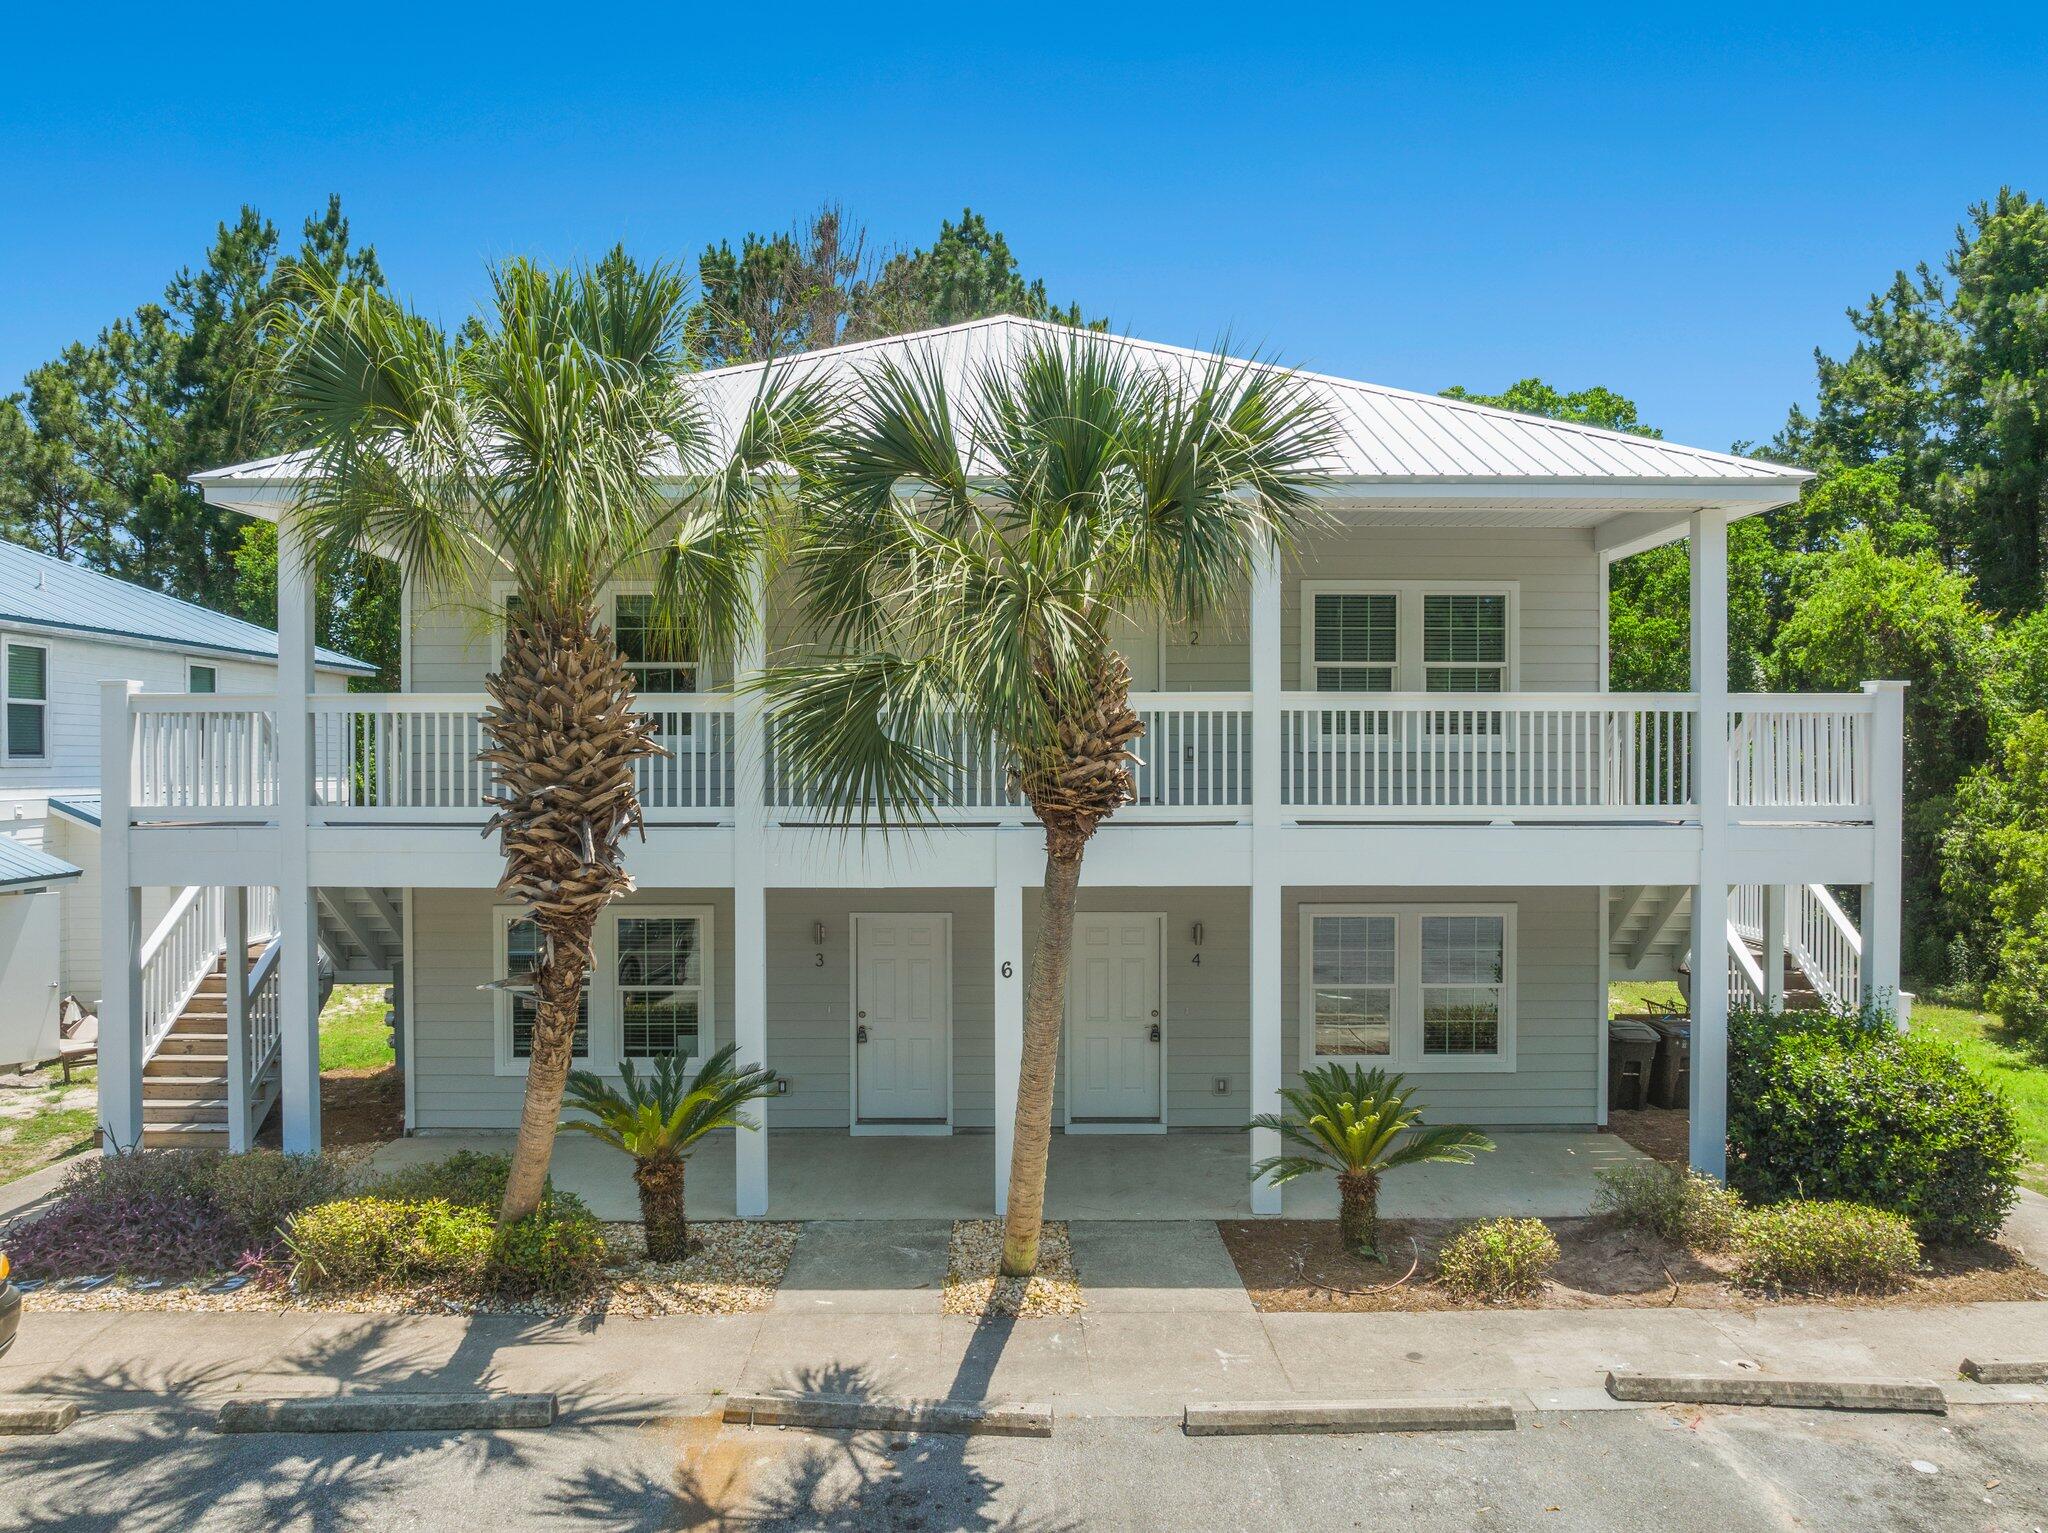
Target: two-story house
<point x="1388" y="812"/>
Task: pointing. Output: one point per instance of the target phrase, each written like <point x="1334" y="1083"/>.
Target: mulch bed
<point x="974" y="1285"/>
<point x="1290" y="1265"/>
<point x="734" y="1267"/>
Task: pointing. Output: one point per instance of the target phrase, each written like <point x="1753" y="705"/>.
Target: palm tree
<point x="559" y="445"/>
<point x="658" y="1121"/>
<point x="1347" y="1121"/>
<point x="964" y="560"/>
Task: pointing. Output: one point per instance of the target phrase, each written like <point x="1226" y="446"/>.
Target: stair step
<point x="202" y="1066"/>
<point x="199" y="1114"/>
<point x="182" y="1088"/>
<point x="173" y="1044"/>
<point x="185" y="1138"/>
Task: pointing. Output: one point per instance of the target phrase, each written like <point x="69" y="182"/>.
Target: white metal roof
<point x="42" y="592"/>
<point x="1387" y="436"/>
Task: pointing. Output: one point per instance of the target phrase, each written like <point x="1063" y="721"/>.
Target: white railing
<point x="1746" y="989"/>
<point x="210" y="754"/>
<point x="176" y="959"/>
<point x="1569" y="755"/>
<point x="1195" y="755"/>
<point x="260" y="1051"/>
<point x="413" y="756"/>
<point x="1799" y="758"/>
<point x="1827" y="946"/>
<point x="974" y="782"/>
<point x="1746" y="910"/>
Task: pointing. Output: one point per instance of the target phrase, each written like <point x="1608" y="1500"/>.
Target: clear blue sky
<point x="1435" y="195"/>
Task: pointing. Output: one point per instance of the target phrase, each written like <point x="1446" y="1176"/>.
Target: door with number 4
<point x="902" y="1023"/>
<point x="1116" y="1027"/>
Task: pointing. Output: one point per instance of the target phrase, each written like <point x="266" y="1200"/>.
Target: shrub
<point x="1679" y="1205"/>
<point x="1825" y="1247"/>
<point x="374" y="1241"/>
<point x="1847" y="1109"/>
<point x="1498" y="1259"/>
<point x="148" y="1213"/>
<point x="468" y="1179"/>
<point x="261" y="1190"/>
<point x="555" y="1252"/>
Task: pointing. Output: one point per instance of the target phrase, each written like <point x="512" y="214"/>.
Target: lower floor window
<point x="660" y="983"/>
<point x="1425" y="988"/>
<point x="650" y="994"/>
<point x="522" y="953"/>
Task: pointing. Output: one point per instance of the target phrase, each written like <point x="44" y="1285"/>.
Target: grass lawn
<point x="353" y="1035"/>
<point x="1978" y="1037"/>
<point x="41" y="1122"/>
<point x="1635" y="995"/>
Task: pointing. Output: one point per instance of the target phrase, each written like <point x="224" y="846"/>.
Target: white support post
<point x="750" y="921"/>
<point x="1267" y="1066"/>
<point x="1709" y="1128"/>
<point x="1777" y="904"/>
<point x="121" y="933"/>
<point x="1883" y="912"/>
<point x="235" y="981"/>
<point x="298" y="920"/>
<point x="1013" y="856"/>
<point x="1603" y="980"/>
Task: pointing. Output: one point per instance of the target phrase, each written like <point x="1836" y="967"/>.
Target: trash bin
<point x="1631" y="1052"/>
<point x="1671" y="1073"/>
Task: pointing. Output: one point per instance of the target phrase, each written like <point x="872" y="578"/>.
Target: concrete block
<point x="1272" y="1417"/>
<point x="868" y="1413"/>
<point x="30" y="1419"/>
<point x="1797" y="1394"/>
<point x="390" y="1411"/>
<point x="2007" y="1371"/>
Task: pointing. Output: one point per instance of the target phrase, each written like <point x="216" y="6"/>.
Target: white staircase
<point x="1650" y="937"/>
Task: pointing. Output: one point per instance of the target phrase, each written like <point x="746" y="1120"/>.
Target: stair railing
<point x="1745" y="976"/>
<point x="1826" y="945"/>
<point x="176" y="959"/>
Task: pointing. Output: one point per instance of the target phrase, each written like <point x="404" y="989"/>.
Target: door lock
<point x="1155" y="1032"/>
<point x="860" y="1033"/>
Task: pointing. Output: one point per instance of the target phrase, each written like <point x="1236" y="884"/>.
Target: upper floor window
<point x="1464" y="642"/>
<point x="202" y="679"/>
<point x="1408" y="636"/>
<point x="28" y="702"/>
<point x="657" y="662"/>
<point x="1354" y="642"/>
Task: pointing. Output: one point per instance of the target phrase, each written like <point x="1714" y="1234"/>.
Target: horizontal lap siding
<point x="1557" y="1006"/>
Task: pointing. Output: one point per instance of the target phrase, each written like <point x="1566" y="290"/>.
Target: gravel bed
<point x="974" y="1285"/>
<point x="734" y="1267"/>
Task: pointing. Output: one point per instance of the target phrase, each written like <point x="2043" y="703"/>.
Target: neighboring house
<point x="1387" y="812"/>
<point x="63" y="631"/>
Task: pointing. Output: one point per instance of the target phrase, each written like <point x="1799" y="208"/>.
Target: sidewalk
<point x="1166" y="1324"/>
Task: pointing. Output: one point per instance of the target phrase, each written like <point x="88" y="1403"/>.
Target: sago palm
<point x="657" y="1119"/>
<point x="560" y="445"/>
<point x="965" y="553"/>
<point x="1349" y="1122"/>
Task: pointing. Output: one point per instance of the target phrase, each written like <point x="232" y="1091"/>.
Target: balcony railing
<point x="1341" y="757"/>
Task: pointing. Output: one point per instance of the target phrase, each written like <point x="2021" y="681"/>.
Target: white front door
<point x="902" y="1002"/>
<point x="1114" y="1029"/>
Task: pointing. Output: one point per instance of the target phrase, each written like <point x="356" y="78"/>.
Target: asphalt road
<point x="1673" y="1470"/>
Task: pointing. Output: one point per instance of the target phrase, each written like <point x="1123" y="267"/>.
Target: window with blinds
<point x="1357" y="641"/>
<point x="660" y="975"/>
<point x="1464" y="643"/>
<point x="522" y="940"/>
<point x="28" y="702"/>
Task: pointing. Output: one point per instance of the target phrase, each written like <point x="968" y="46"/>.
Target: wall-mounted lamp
<point x="1196" y="934"/>
<point x="818" y="933"/>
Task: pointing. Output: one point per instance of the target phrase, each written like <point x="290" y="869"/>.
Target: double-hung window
<point x="658" y="971"/>
<point x="1464" y="642"/>
<point x="28" y="702"/>
<point x="659" y="663"/>
<point x="1419" y="988"/>
<point x="518" y="951"/>
<point x="1354" y="640"/>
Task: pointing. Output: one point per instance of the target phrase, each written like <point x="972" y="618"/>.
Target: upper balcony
<point x="1337" y="758"/>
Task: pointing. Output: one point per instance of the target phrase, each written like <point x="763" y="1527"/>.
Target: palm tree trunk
<point x="1358" y="1210"/>
<point x="558" y="1000"/>
<point x="1045" y="1005"/>
<point x="661" y="1208"/>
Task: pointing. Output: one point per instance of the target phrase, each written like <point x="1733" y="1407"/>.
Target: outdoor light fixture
<point x="818" y="933"/>
<point x="1196" y="934"/>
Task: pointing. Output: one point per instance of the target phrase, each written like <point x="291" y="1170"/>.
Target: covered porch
<point x="825" y="1174"/>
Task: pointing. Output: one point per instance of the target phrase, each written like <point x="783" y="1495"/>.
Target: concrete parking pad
<point x="1156" y="1264"/>
<point x="873" y="1266"/>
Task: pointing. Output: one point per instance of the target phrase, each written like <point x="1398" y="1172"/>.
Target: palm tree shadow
<point x="837" y="1482"/>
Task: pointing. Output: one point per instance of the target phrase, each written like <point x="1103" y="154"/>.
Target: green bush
<point x="1847" y="1109"/>
<point x="1825" y="1247"/>
<point x="261" y="1190"/>
<point x="1684" y="1206"/>
<point x="371" y="1242"/>
<point x="555" y="1252"/>
<point x="468" y="1179"/>
<point x="1498" y="1259"/>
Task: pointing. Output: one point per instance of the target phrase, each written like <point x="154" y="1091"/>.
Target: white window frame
<point x="611" y="611"/>
<point x="8" y="702"/>
<point x="1407" y="1054"/>
<point x="614" y="992"/>
<point x="1411" y="674"/>
<point x="192" y="667"/>
<point x="606" y="1013"/>
<point x="503" y="918"/>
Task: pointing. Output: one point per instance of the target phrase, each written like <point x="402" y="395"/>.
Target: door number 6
<point x="1007" y="970"/>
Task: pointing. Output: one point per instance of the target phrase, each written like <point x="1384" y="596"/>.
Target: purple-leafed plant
<point x="148" y="1214"/>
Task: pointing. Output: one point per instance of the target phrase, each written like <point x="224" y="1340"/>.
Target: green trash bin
<point x="1631" y="1052"/>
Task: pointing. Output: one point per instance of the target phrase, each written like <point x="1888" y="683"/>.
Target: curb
<point x="389" y="1412"/>
<point x="1994" y="1371"/>
<point x="863" y="1413"/>
<point x="36" y="1420"/>
<point x="1798" y="1394"/>
<point x="1272" y="1417"/>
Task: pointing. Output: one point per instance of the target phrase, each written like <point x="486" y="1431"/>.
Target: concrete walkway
<point x="1166" y="1323"/>
<point x="825" y="1174"/>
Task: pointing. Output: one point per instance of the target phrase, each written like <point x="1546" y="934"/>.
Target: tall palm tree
<point x="559" y="445"/>
<point x="964" y="560"/>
